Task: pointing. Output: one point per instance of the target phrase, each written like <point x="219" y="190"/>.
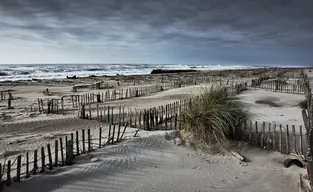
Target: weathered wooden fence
<point x="60" y="152"/>
<point x="283" y="86"/>
<point x="70" y="102"/>
<point x="308" y="122"/>
<point x="283" y="138"/>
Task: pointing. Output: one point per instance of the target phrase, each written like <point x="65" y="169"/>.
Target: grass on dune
<point x="214" y="117"/>
<point x="303" y="104"/>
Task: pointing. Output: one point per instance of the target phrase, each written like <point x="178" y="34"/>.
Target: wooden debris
<point x="235" y="154"/>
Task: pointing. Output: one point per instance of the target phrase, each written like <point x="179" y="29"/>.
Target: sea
<point x="14" y="72"/>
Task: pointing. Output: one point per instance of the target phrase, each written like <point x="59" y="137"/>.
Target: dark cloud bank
<point x="185" y="31"/>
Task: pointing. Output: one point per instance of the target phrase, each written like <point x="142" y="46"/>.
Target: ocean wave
<point x="57" y="71"/>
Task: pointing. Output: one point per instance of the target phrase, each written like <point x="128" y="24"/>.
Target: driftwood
<point x="235" y="154"/>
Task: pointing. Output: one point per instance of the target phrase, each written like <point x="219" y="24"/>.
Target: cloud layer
<point x="152" y="31"/>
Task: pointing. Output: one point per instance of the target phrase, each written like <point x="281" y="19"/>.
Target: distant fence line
<point x="58" y="106"/>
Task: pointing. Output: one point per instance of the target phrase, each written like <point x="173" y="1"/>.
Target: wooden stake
<point x="301" y="142"/>
<point x="50" y="157"/>
<point x="77" y="143"/>
<point x="287" y="139"/>
<point x="43" y="158"/>
<point x="62" y="153"/>
<point x="83" y="138"/>
<point x="100" y="136"/>
<point x="18" y="168"/>
<point x="8" y="182"/>
<point x="27" y="166"/>
<point x="56" y="153"/>
<point x="35" y="162"/>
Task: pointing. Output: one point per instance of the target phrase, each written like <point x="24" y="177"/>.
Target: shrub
<point x="303" y="104"/>
<point x="215" y="118"/>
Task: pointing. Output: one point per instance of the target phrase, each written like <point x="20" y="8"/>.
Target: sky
<point x="276" y="32"/>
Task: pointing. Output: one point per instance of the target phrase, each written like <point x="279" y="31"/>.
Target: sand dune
<point x="152" y="163"/>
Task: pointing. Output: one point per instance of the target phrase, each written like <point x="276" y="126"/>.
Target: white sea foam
<point x="58" y="71"/>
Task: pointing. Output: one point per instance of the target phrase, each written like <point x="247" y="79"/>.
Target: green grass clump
<point x="215" y="118"/>
<point x="303" y="104"/>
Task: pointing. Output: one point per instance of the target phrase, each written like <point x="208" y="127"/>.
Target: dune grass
<point x="303" y="104"/>
<point x="214" y="117"/>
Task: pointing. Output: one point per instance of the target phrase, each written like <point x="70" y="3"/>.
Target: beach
<point x="150" y="161"/>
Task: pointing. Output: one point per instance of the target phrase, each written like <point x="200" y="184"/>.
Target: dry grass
<point x="215" y="118"/>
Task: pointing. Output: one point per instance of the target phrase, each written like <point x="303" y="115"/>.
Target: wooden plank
<point x="237" y="155"/>
<point x="50" y="157"/>
<point x="294" y="138"/>
<point x="18" y="168"/>
<point x="301" y="141"/>
<point x="118" y="132"/>
<point x="89" y="140"/>
<point x="62" y="153"/>
<point x="109" y="134"/>
<point x="274" y="138"/>
<point x="262" y="135"/>
<point x="8" y="181"/>
<point x="113" y="134"/>
<point x="43" y="158"/>
<point x="35" y="167"/>
<point x="27" y="166"/>
<point x="56" y="153"/>
<point x="280" y="138"/>
<point x="256" y="133"/>
<point x="100" y="136"/>
<point x="287" y="139"/>
<point x="77" y="144"/>
<point x="83" y="139"/>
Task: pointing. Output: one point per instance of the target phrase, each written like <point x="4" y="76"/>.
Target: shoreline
<point x="167" y="72"/>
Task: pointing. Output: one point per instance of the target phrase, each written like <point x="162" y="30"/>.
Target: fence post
<point x="69" y="152"/>
<point x="8" y="182"/>
<point x="18" y="168"/>
<point x="56" y="151"/>
<point x="100" y="136"/>
<point x="27" y="166"/>
<point x="89" y="140"/>
<point x="35" y="162"/>
<point x="43" y="164"/>
<point x="50" y="157"/>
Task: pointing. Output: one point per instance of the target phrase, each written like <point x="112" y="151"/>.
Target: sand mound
<point x="151" y="162"/>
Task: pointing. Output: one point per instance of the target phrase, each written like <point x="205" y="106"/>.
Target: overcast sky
<point x="157" y="31"/>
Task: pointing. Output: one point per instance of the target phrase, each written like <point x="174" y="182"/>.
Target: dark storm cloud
<point x="256" y="25"/>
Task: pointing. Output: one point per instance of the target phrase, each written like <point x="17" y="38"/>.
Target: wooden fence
<point x="283" y="86"/>
<point x="61" y="105"/>
<point x="308" y="122"/>
<point x="283" y="138"/>
<point x="58" y="152"/>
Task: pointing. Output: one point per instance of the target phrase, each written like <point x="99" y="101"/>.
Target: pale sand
<point x="288" y="113"/>
<point x="30" y="133"/>
<point x="152" y="163"/>
<point x="149" y="163"/>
